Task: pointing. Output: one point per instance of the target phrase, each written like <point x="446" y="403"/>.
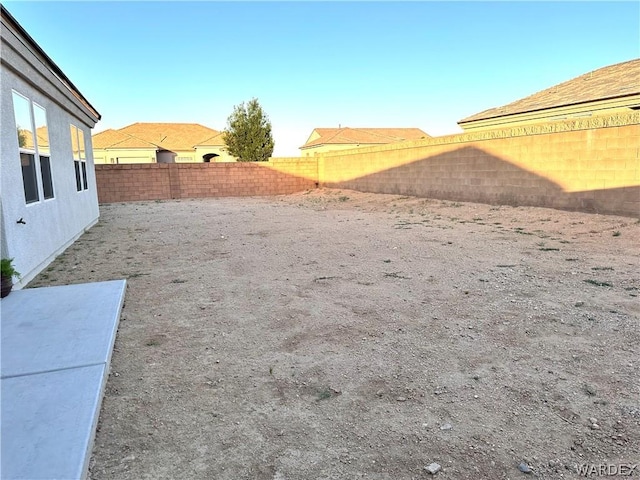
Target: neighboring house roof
<point x="164" y="136"/>
<point x="214" y="141"/>
<point x="108" y="138"/>
<point x="116" y="139"/>
<point x="346" y="135"/>
<point x="171" y="136"/>
<point x="42" y="133"/>
<point x="614" y="81"/>
<point x="47" y="62"/>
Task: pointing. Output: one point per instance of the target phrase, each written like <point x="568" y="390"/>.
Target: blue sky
<point x="323" y="64"/>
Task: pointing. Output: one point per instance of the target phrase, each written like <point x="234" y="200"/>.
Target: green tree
<point x="248" y="133"/>
<point x="22" y="137"/>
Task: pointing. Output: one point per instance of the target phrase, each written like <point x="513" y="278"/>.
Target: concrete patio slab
<point x="56" y="349"/>
<point x="48" y="420"/>
<point x="48" y="329"/>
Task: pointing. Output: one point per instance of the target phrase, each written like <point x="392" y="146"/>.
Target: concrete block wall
<point x="590" y="165"/>
<point x="134" y="182"/>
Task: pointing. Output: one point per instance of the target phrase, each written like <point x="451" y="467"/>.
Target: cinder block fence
<point x="590" y="165"/>
<point x="162" y="181"/>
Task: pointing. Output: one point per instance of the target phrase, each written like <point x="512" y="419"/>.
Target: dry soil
<point x="341" y="335"/>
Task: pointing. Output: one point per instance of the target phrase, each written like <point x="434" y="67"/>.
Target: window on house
<point x="79" y="159"/>
<point x="29" y="179"/>
<point x="33" y="144"/>
<point x="42" y="140"/>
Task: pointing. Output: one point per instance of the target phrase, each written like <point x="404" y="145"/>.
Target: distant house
<point x="330" y="139"/>
<point x="606" y="91"/>
<point x="160" y="143"/>
<point x="48" y="196"/>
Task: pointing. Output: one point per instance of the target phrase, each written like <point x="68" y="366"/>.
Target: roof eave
<point x="50" y="63"/>
<point x="523" y="112"/>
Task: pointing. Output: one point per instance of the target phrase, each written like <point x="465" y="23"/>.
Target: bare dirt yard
<point x="341" y="335"/>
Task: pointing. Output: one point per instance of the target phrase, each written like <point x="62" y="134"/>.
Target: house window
<point x="45" y="171"/>
<point x="33" y="145"/>
<point x="79" y="159"/>
<point x="29" y="179"/>
<point x="44" y="153"/>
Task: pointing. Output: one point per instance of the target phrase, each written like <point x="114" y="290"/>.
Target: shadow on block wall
<point x="569" y="175"/>
<point x="474" y="175"/>
<point x="615" y="201"/>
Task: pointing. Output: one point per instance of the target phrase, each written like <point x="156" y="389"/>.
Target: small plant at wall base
<point x="7" y="272"/>
<point x="248" y="133"/>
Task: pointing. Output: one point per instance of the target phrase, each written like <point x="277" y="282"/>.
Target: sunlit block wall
<point x="590" y="165"/>
<point x="126" y="183"/>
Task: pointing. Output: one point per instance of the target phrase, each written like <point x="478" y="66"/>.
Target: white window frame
<point x="37" y="165"/>
<point x="79" y="160"/>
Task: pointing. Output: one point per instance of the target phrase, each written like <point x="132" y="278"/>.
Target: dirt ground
<point x="341" y="335"/>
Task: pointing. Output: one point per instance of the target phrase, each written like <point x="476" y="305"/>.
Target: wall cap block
<point x="604" y="121"/>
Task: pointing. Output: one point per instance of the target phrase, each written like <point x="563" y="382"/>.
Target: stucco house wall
<point x="188" y="156"/>
<point x="317" y="150"/>
<point x="221" y="151"/>
<point x="142" y="155"/>
<point x="122" y="156"/>
<point x="323" y="140"/>
<point x="35" y="233"/>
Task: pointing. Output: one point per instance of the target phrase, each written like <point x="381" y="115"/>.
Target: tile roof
<point x="215" y="140"/>
<point x="619" y="80"/>
<point x="110" y="138"/>
<point x="171" y="136"/>
<point x="377" y="136"/>
<point x="165" y="136"/>
<point x="26" y="139"/>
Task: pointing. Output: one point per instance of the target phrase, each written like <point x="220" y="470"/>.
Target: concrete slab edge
<point x="103" y="385"/>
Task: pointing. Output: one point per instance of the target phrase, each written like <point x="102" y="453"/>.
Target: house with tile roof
<point x="605" y="91"/>
<point x="48" y="194"/>
<point x="331" y="139"/>
<point x="160" y="143"/>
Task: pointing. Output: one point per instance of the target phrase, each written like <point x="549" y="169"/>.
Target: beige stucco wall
<point x="122" y="156"/>
<point x="219" y="149"/>
<point x="311" y="151"/>
<point x="186" y="156"/>
<point x="142" y="155"/>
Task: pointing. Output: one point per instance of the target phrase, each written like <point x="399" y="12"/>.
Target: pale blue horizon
<point x="323" y="64"/>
